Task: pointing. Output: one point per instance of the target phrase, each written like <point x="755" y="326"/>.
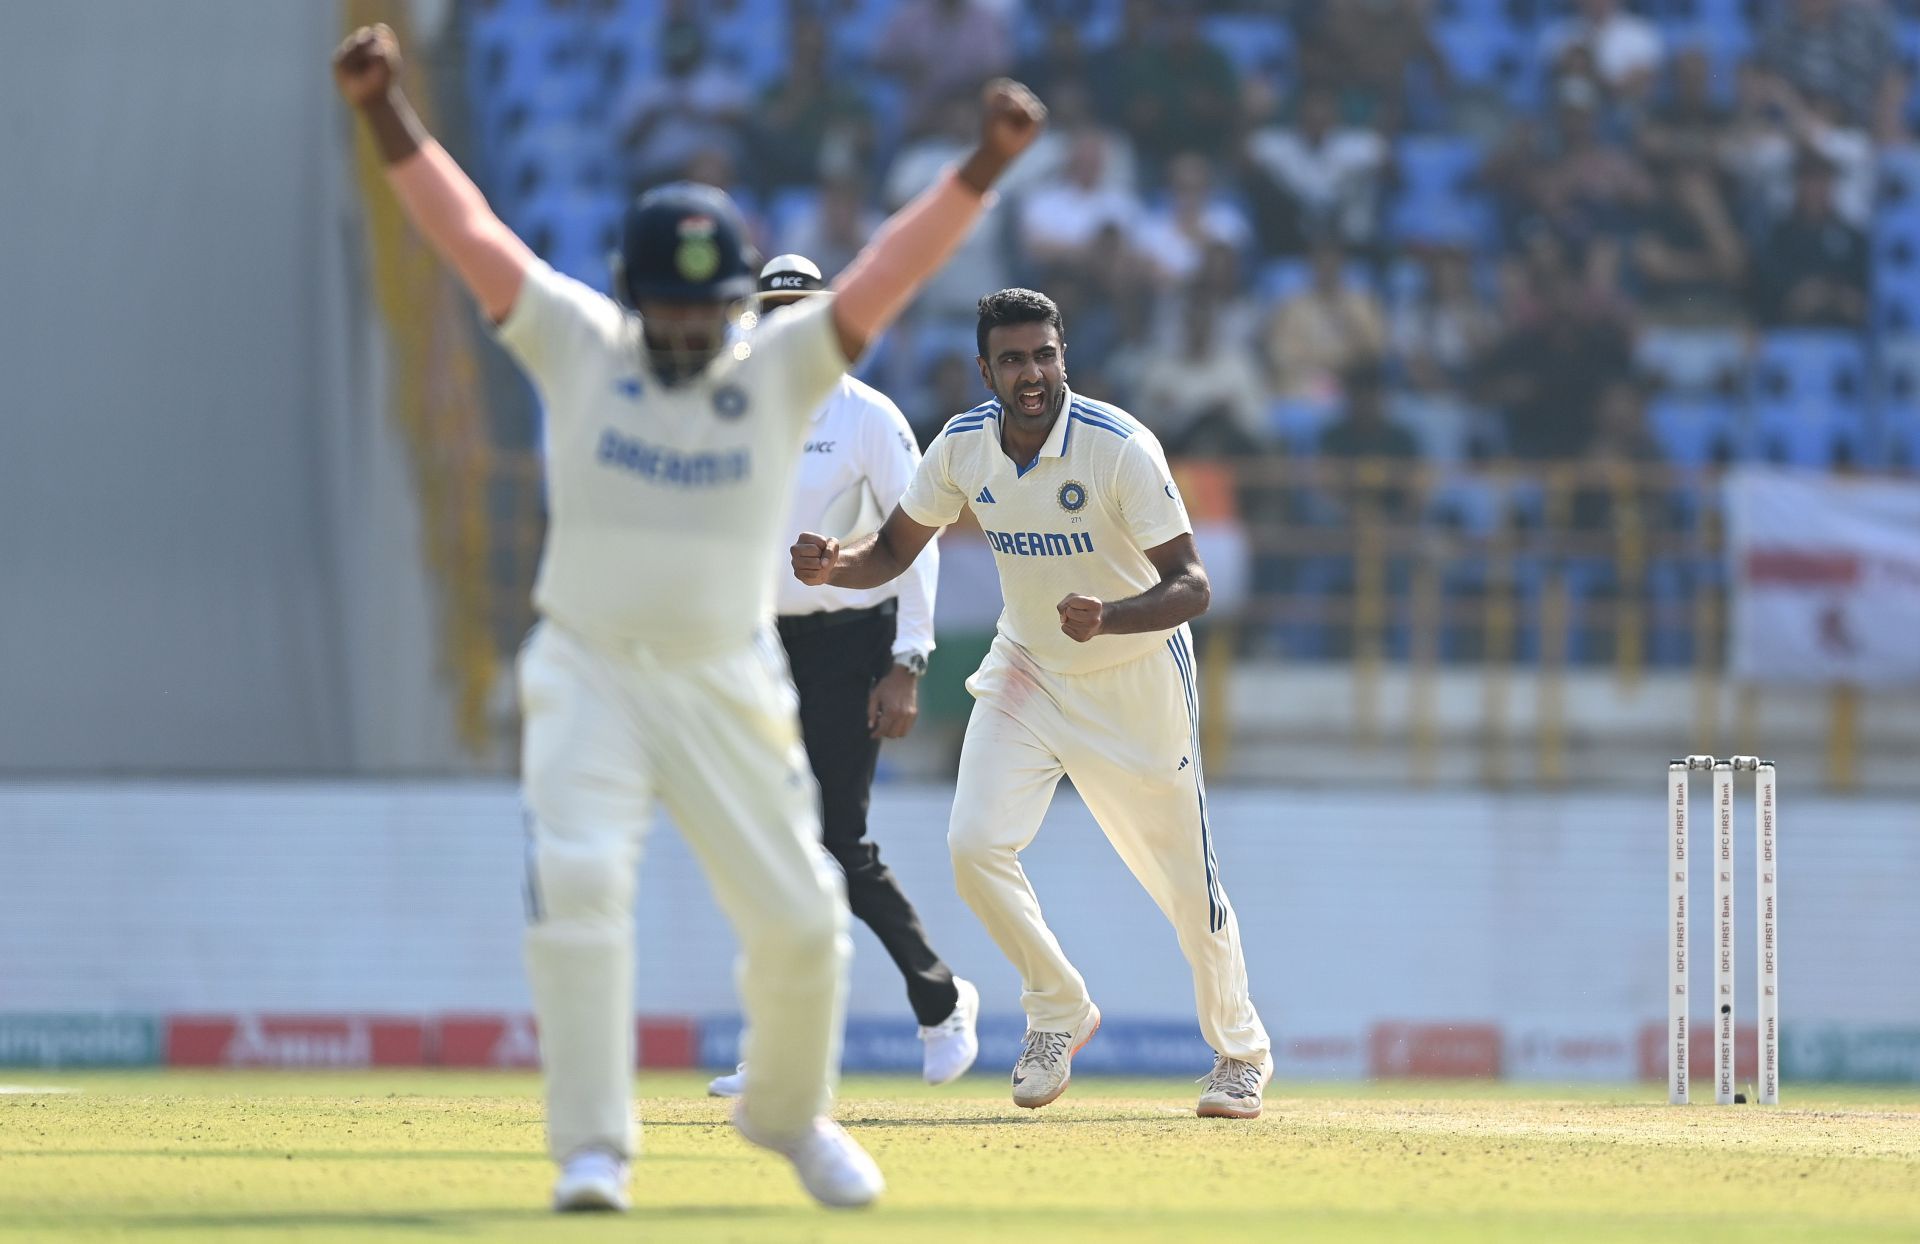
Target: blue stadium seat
<point x="1493" y="57"/>
<point x="1907" y="40"/>
<point x="574" y="230"/>
<point x="1899" y="447"/>
<point x="1437" y="203"/>
<point x="1896" y="273"/>
<point x="1693" y="360"/>
<point x="1283" y="278"/>
<point x="1735" y="14"/>
<point x="753" y="39"/>
<point x="1898" y="198"/>
<point x="1809" y="396"/>
<point x="787" y="208"/>
<point x="1257" y="44"/>
<point x="1795" y="367"/>
<point x="1696" y="431"/>
<point x="856" y="30"/>
<point x="1298" y="422"/>
<point x="554" y="156"/>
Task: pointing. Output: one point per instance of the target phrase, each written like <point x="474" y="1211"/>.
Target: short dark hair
<point x="1016" y="306"/>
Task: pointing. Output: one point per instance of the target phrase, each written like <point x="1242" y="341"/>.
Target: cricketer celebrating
<point x="654" y="673"/>
<point x="1091" y="675"/>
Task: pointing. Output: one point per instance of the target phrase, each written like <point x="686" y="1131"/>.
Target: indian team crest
<point x="729" y="401"/>
<point x="1073" y="496"/>
<point x="697" y="257"/>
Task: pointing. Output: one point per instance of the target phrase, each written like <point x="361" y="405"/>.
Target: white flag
<point x="1826" y="578"/>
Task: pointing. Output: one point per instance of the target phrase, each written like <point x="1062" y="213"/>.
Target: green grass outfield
<point x="426" y="1156"/>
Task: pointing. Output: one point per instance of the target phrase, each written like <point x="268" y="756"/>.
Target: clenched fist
<point x="367" y="64"/>
<point x="1011" y="117"/>
<point x="814" y="558"/>
<point x="1080" y="616"/>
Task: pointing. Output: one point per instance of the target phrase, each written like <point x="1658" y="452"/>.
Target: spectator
<point x="1106" y="289"/>
<point x="692" y="106"/>
<point x="1200" y="393"/>
<point x="1626" y="50"/>
<point x="939" y="48"/>
<point x="1070" y="114"/>
<point x="1439" y="335"/>
<point x="1621" y="438"/>
<point x="1442" y="331"/>
<point x="1318" y="178"/>
<point x="1687" y="126"/>
<point x="1687" y="256"/>
<point x="835" y="230"/>
<point x="1061" y="59"/>
<point x="812" y="122"/>
<point x="1173" y="238"/>
<point x="954" y="291"/>
<point x="1565" y="340"/>
<point x="1779" y="124"/>
<point x="953" y="385"/>
<point x="1841" y="50"/>
<point x="1167" y="87"/>
<point x="1812" y="272"/>
<point x="1365" y="49"/>
<point x="1363" y="430"/>
<point x="1323" y="330"/>
<point x="1060" y="219"/>
<point x="1588" y="187"/>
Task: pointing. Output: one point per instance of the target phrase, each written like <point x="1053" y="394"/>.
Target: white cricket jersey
<point x="1078" y="518"/>
<point x="664" y="503"/>
<point x="858" y="458"/>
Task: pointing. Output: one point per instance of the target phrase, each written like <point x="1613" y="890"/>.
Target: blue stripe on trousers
<point x="1183" y="662"/>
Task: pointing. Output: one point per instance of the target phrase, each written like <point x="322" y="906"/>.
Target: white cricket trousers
<point x="1128" y="736"/>
<point x="716" y="740"/>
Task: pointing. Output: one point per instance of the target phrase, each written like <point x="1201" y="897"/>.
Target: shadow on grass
<point x="1023" y="1119"/>
<point x="442" y="1220"/>
<point x="336" y="1155"/>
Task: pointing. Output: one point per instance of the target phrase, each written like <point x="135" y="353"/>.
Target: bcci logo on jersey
<point x="1073" y="496"/>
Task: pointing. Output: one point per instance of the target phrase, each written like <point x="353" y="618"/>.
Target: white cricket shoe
<point x="952" y="1044"/>
<point x="1233" y="1088"/>
<point x="831" y="1164"/>
<point x="1046" y="1062"/>
<point x="732" y="1084"/>
<point x="592" y="1179"/>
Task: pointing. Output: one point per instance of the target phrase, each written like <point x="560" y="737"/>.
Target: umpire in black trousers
<point x="857" y="657"/>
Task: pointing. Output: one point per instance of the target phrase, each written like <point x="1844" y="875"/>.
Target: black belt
<point x="806" y="623"/>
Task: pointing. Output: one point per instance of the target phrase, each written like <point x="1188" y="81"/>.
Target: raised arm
<point x="918" y="239"/>
<point x="868" y="562"/>
<point x="441" y="200"/>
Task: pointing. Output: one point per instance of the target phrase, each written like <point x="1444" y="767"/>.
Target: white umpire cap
<point x="791" y="274"/>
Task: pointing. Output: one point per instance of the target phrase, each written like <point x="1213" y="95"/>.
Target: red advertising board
<point x="512" y="1041"/>
<point x="1401" y="1051"/>
<point x="295" y="1041"/>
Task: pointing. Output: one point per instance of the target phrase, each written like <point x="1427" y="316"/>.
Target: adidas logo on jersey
<point x="985" y="498"/>
<point x="1182" y="764"/>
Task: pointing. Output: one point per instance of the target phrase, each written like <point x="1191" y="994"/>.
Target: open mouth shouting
<point x="1031" y="400"/>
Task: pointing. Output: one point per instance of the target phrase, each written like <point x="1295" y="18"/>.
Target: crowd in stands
<point x="1679" y="230"/>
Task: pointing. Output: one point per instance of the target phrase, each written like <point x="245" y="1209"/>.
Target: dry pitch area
<point x="430" y="1157"/>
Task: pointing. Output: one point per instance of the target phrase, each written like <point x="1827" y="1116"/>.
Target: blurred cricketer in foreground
<point x="654" y="673"/>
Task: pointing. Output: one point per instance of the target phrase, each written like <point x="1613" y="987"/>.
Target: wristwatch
<point x="914" y="663"/>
